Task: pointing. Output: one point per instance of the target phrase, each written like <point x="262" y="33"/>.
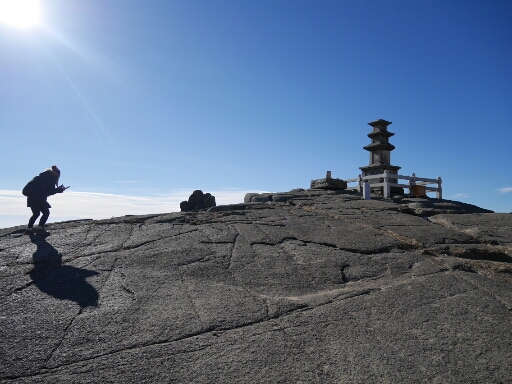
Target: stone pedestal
<point x="328" y="183"/>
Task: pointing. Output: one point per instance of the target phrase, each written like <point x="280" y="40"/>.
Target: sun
<point x="20" y="13"/>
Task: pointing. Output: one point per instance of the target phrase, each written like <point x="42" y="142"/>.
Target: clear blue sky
<point x="142" y="98"/>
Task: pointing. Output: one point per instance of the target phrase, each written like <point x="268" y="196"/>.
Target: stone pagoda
<point x="380" y="154"/>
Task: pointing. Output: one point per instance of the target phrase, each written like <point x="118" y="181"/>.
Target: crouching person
<point x="37" y="191"/>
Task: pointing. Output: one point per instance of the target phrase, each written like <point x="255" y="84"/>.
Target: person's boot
<point x="29" y="231"/>
<point x="41" y="231"/>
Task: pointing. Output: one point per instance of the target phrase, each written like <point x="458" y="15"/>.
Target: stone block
<point x="328" y="183"/>
<point x="257" y="197"/>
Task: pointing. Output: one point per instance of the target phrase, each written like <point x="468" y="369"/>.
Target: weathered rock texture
<point x="329" y="183"/>
<point x="306" y="286"/>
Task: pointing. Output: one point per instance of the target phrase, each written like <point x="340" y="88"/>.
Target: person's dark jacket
<point x="44" y="186"/>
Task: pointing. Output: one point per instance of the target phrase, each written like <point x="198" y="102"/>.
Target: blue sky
<point x="144" y="99"/>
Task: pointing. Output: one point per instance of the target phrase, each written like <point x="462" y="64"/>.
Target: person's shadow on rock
<point x="63" y="282"/>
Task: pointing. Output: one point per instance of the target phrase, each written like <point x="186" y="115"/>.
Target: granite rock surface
<point x="297" y="287"/>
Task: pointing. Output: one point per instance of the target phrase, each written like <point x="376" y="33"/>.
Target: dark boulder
<point x="197" y="201"/>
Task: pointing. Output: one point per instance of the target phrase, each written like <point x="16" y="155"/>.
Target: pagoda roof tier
<point x="374" y="134"/>
<point x="379" y="123"/>
<point x="377" y="146"/>
<point x="372" y="167"/>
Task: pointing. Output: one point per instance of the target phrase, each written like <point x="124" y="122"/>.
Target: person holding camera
<point x="37" y="191"/>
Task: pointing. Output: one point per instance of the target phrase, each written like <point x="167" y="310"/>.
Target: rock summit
<point x="299" y="287"/>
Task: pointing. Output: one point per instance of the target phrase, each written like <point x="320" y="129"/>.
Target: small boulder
<point x="197" y="201"/>
<point x="257" y="197"/>
<point x="329" y="183"/>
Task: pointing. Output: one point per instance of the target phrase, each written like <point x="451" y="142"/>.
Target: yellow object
<point x="419" y="190"/>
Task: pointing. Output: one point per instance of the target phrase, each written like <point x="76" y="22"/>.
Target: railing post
<point x="359" y="183"/>
<point x="366" y="190"/>
<point x="386" y="185"/>
<point x="412" y="183"/>
<point x="439" y="193"/>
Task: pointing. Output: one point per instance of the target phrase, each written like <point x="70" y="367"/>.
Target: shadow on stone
<point x="63" y="282"/>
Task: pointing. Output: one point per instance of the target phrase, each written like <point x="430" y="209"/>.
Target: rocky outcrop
<point x="198" y="201"/>
<point x="305" y="286"/>
<point x="329" y="183"/>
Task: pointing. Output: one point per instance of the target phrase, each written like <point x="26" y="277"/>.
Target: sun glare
<point x="20" y="13"/>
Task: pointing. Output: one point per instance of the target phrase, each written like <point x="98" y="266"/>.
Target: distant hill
<point x="297" y="287"/>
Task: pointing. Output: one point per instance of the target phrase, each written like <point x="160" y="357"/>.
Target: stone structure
<point x="380" y="155"/>
<point x="328" y="183"/>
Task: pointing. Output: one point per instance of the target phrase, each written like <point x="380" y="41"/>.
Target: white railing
<point x="364" y="185"/>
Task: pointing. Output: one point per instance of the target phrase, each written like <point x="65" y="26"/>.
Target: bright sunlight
<point x="19" y="13"/>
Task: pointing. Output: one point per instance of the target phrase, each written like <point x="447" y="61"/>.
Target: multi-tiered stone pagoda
<point x="380" y="154"/>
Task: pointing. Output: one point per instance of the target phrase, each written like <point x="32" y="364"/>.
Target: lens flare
<point x="20" y="13"/>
